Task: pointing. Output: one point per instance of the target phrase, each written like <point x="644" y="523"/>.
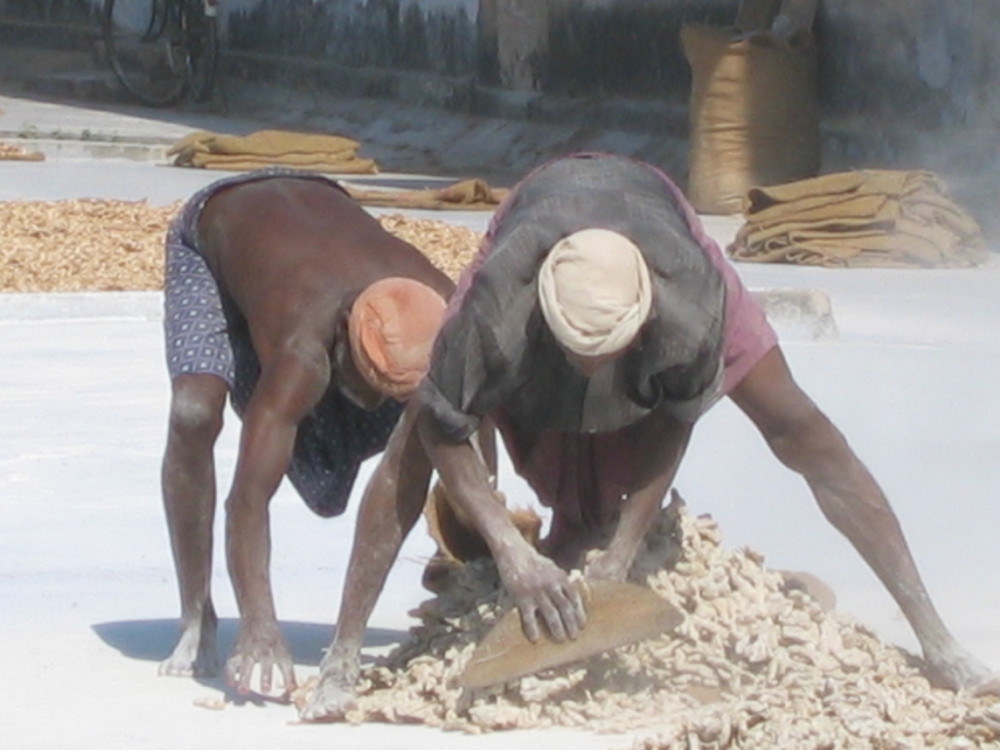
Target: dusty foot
<point x="329" y="699"/>
<point x="957" y="669"/>
<point x="194" y="656"/>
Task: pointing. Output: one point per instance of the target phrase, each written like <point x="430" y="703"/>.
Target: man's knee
<point x="196" y="406"/>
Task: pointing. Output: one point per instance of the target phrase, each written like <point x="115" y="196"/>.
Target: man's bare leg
<point x="188" y="481"/>
<point x="805" y="440"/>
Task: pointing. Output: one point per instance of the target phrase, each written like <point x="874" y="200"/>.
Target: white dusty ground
<point x="87" y="595"/>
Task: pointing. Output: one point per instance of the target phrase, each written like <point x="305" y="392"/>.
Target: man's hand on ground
<point x="261" y="647"/>
<point x="543" y="592"/>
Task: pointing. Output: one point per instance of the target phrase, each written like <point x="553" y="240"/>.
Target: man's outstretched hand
<point x="543" y="593"/>
<point x="261" y="647"/>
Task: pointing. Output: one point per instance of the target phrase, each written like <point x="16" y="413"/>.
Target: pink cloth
<point x="749" y="335"/>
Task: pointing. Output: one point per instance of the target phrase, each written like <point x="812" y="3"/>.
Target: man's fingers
<point x="238" y="674"/>
<point x="529" y="622"/>
<point x="553" y="617"/>
<point x="572" y="609"/>
<point x="561" y="609"/>
<point x="581" y="608"/>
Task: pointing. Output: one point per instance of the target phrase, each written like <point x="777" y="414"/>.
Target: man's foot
<point x="957" y="669"/>
<point x="195" y="654"/>
<point x="330" y="700"/>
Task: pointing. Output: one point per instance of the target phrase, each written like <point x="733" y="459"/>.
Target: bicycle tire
<point x="203" y="50"/>
<point x="146" y="49"/>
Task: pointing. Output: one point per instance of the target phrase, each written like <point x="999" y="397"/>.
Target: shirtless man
<point x="597" y="324"/>
<point x="285" y="295"/>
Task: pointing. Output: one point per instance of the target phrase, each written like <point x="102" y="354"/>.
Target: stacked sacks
<point x="868" y="218"/>
<point x="314" y="152"/>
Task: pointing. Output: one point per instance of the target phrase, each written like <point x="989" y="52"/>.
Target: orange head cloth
<point x="391" y="329"/>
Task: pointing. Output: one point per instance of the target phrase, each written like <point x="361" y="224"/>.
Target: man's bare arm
<point x="391" y="505"/>
<point x="289" y="386"/>
<point x="541" y="590"/>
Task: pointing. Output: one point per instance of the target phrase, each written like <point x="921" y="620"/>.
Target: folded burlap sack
<point x="470" y="195"/>
<point x="314" y="152"/>
<point x="890" y="218"/>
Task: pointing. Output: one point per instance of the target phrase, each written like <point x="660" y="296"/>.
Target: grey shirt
<point x="495" y="351"/>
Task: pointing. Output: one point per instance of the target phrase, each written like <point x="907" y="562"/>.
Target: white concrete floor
<point x="87" y="594"/>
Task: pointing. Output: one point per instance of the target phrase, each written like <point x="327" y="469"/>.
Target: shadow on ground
<point x="154" y="640"/>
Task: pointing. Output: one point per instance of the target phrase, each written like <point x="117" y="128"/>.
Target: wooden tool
<point x="617" y="614"/>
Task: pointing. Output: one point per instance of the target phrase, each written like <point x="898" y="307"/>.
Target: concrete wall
<point x="927" y="63"/>
<point x="55" y="12"/>
<point x="628" y="48"/>
<point x="904" y="83"/>
<point x="623" y="48"/>
<point x="932" y="63"/>
<point x="888" y="68"/>
<point x="415" y="35"/>
<point x="916" y="84"/>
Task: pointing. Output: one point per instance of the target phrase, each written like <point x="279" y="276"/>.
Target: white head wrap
<point x="594" y="291"/>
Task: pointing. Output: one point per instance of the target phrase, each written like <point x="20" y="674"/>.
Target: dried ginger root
<point x="449" y="247"/>
<point x="82" y="245"/>
<point x="754" y="665"/>
<point x="114" y="245"/>
<point x="15" y="152"/>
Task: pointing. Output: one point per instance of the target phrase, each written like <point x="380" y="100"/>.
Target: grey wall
<point x="916" y="84"/>
<point x="620" y="47"/>
<point x="934" y="62"/>
<point x="424" y="35"/>
<point x="930" y="63"/>
<point x="902" y="83"/>
<point x="53" y="11"/>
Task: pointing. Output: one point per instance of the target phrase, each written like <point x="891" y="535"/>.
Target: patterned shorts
<point x="194" y="321"/>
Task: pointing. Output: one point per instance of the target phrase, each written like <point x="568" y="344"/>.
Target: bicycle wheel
<point x="145" y="45"/>
<point x="203" y="49"/>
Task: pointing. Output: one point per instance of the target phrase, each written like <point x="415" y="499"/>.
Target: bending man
<point x="597" y="324"/>
<point x="286" y="296"/>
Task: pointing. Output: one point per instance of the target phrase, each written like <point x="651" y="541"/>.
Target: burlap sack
<point x="866" y="218"/>
<point x="309" y="151"/>
<point x="470" y="195"/>
<point x="754" y="117"/>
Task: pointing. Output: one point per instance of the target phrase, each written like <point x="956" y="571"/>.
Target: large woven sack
<point x="754" y="118"/>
